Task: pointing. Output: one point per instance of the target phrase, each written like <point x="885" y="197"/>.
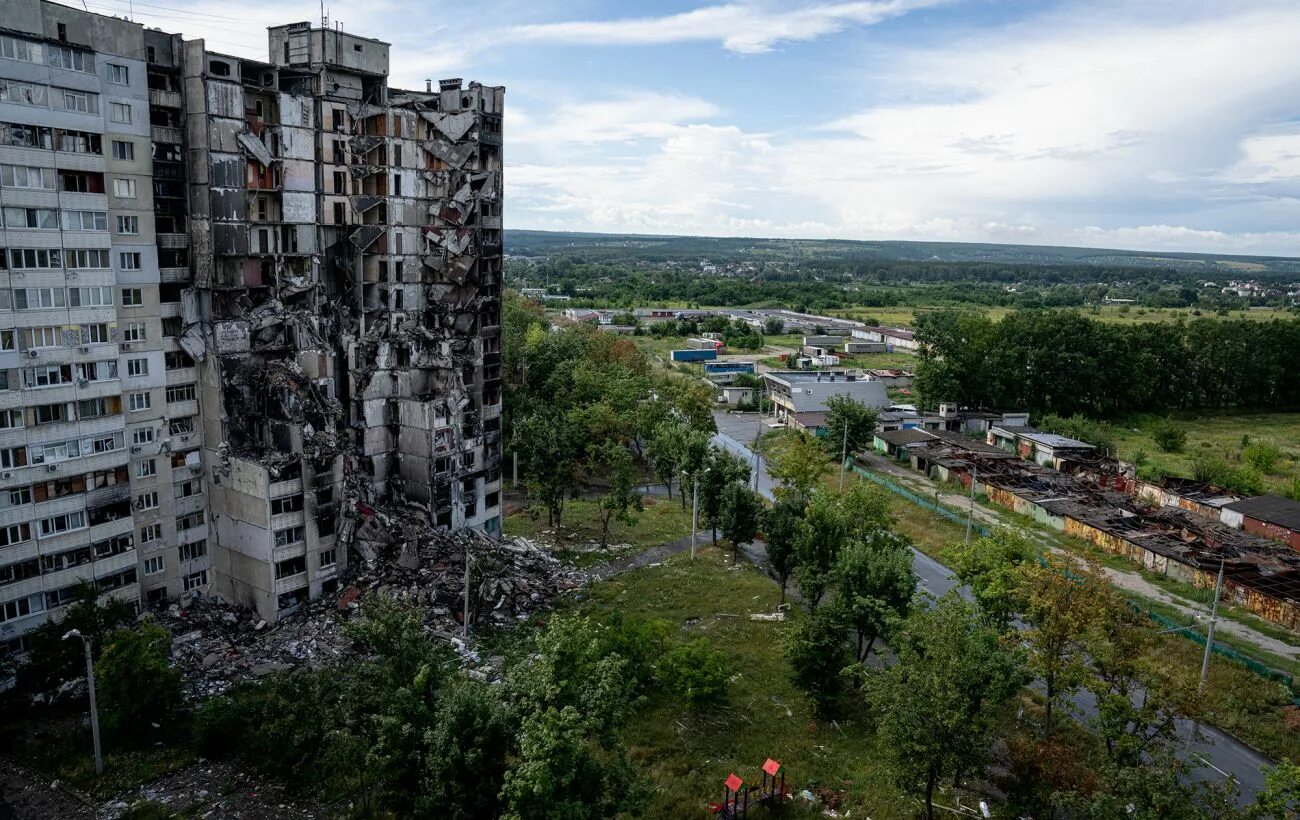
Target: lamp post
<point x="94" y="708"/>
<point x="1209" y="633"/>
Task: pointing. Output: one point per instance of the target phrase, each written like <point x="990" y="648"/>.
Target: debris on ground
<point x="215" y="789"/>
<point x="396" y="556"/>
<point x="26" y="794"/>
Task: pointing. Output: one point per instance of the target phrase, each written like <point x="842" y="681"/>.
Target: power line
<point x="132" y="4"/>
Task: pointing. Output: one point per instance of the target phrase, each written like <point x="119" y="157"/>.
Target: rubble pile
<point x="397" y="556"/>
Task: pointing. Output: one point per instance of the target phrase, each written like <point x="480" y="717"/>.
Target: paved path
<point x="1212" y="753"/>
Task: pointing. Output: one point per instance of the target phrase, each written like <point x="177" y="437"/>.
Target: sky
<point x="1150" y="124"/>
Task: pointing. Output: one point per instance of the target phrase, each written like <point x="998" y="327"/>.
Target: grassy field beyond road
<point x="578" y="537"/>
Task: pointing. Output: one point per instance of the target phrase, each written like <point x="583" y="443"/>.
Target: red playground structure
<point x="737" y="797"/>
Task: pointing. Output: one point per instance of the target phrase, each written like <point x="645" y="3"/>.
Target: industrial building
<point x="798" y="391"/>
<point x="246" y="305"/>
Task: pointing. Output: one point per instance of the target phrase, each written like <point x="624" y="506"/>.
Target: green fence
<point x="927" y="503"/>
<point x="1174" y="627"/>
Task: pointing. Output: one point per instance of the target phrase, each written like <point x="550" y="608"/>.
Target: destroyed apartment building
<point x="247" y="306"/>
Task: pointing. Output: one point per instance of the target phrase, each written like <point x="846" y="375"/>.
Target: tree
<point x="799" y="466"/>
<point x="722" y="470"/>
<point x="1169" y="436"/>
<point x="1280" y="798"/>
<point x="667" y="449"/>
<point x="54" y="660"/>
<point x="989" y="565"/>
<point x="781" y="525"/>
<point x="774" y="326"/>
<point x="875" y="583"/>
<point x="739" y="516"/>
<point x="620" y="500"/>
<point x="818" y="655"/>
<point x="864" y="508"/>
<point x="822" y="535"/>
<point x="1154" y="789"/>
<point x="137" y="685"/>
<point x="1061" y="604"/>
<point x="549" y="448"/>
<point x="860" y="420"/>
<point x="938" y="704"/>
<point x="695" y="672"/>
<point x="468" y="744"/>
<point x="696" y="451"/>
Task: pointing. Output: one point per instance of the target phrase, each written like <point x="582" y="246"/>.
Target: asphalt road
<point x="1213" y="754"/>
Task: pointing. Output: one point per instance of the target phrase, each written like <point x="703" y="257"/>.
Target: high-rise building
<point x="242" y="304"/>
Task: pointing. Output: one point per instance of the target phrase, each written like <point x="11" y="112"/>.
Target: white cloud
<point x="744" y="28"/>
<point x="631" y="116"/>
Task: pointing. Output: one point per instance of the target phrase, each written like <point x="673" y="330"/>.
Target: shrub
<point x="1168" y="436"/>
<point x="217" y="727"/>
<point x="1262" y="455"/>
<point x="695" y="672"/>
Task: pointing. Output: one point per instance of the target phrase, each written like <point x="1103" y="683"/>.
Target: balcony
<point x="290" y="583"/>
<point x="174" y="276"/>
<point x="163" y="133"/>
<point x="292" y="486"/>
<point x="173" y="240"/>
<point x="169" y="99"/>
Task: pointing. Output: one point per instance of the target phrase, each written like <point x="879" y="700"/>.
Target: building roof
<point x="1271" y="509"/>
<point x="810" y="420"/>
<point x="1057" y="442"/>
<point x="905" y="436"/>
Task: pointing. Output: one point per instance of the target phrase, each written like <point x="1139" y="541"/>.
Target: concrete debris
<point x="216" y="789"/>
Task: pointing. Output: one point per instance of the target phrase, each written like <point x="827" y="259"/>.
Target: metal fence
<point x="926" y="503"/>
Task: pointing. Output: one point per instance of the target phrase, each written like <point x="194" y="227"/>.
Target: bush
<point x="136" y="682"/>
<point x="217" y="727"/>
<point x="1244" y="478"/>
<point x="695" y="673"/>
<point x="1262" y="455"/>
<point x="1168" y="436"/>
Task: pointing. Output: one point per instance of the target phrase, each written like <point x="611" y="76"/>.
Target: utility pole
<point x="970" y="514"/>
<point x="695" y="512"/>
<point x="1209" y="633"/>
<point x="94" y="707"/>
<point x="758" y="435"/>
<point x="514" y="479"/>
<point x="465" y="628"/>
<point x="844" y="456"/>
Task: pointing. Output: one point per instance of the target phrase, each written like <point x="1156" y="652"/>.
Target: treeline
<point x="1065" y="363"/>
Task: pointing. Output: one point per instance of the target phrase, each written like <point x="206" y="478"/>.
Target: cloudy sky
<point x="1150" y="124"/>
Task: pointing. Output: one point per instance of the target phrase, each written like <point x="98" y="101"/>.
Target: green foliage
<point x="695" y="672"/>
<point x="937" y="706"/>
<point x="217" y="724"/>
<point x="1169" y="436"/>
<point x="620" y="501"/>
<point x="136" y="683"/>
<point x="468" y="744"/>
<point x="874" y="583"/>
<point x="799" y="466"/>
<point x="818" y="655"/>
<point x="54" y="660"/>
<point x="774" y="326"/>
<point x="1280" y="797"/>
<point x="859" y="419"/>
<point x="1080" y="427"/>
<point x="548" y="444"/>
<point x="721" y="471"/>
<point x="1212" y="469"/>
<point x="1262" y="455"/>
<point x="989" y="566"/>
<point x="739" y="517"/>
<point x="781" y="524"/>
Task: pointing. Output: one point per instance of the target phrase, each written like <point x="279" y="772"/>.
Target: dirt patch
<point x="217" y="789"/>
<point x="27" y="795"/>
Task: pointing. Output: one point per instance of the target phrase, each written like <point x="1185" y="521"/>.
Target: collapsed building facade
<point x="277" y="313"/>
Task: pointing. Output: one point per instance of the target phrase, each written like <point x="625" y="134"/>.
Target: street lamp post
<point x="94" y="708"/>
<point x="695" y="511"/>
<point x="1209" y="633"/>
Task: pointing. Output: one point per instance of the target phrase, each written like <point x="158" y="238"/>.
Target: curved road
<point x="1213" y="754"/>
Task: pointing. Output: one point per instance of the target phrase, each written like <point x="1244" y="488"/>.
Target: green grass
<point x="1217" y="435"/>
<point x="905" y="316"/>
<point x="660" y="522"/>
<point x="686" y="755"/>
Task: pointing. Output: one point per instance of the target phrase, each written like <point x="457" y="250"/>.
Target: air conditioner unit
<point x="84" y="349"/>
<point x="7" y="474"/>
<point x="82" y="382"/>
<point x="135" y="448"/>
<point x="126" y="345"/>
<point x="33" y="353"/>
<point x="52" y="468"/>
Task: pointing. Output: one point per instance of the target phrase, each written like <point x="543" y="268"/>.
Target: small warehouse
<point x="1272" y="516"/>
<point x="894" y="443"/>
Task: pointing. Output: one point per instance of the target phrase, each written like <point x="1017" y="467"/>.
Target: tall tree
<point x="799" y="466"/>
<point x="818" y="656"/>
<point x="938" y="704"/>
<point x="666" y="451"/>
<point x="822" y="535"/>
<point x="781" y="525"/>
<point x="875" y="584"/>
<point x="721" y="470"/>
<point x="989" y="565"/>
<point x="859" y="419"/>
<point x="549" y="447"/>
<point x="619" y="501"/>
<point x="740" y="513"/>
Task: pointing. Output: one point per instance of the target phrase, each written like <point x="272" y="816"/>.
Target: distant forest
<point x="626" y="271"/>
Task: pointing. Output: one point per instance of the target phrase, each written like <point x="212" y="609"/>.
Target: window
<point x="91" y="297"/>
<point x="290" y="567"/>
<point x="20" y="608"/>
<point x="146" y="501"/>
<point x="72" y="60"/>
<point x="82" y="102"/>
<point x="97" y="335"/>
<point x="124" y="188"/>
<point x="97" y="371"/>
<point x="139" y="401"/>
<point x="123" y="150"/>
<point x="151" y="533"/>
<point x="119" y="74"/>
<point x="289" y="503"/>
<point x="40" y="337"/>
<point x="190" y="521"/>
<point x="40" y="219"/>
<point x="13" y="457"/>
<point x="180" y="392"/>
<point x="82" y="259"/>
<point x="187" y="489"/>
<point x="181" y="426"/>
<point x="15" y="534"/>
<point x="98" y="408"/>
<point x="192" y="582"/>
<point x="38" y="298"/>
<point x="20" y="93"/>
<point x="80" y="142"/>
<point x="340" y="182"/>
<point x="85" y="221"/>
<point x="142" y="435"/>
<point x="397" y="154"/>
<point x="26" y="136"/>
<point x="146" y="469"/>
<point x="285" y="537"/>
<point x="20" y="495"/>
<point x="134" y="332"/>
<point x="397" y="184"/>
<point x="129" y="260"/>
<point x="34" y="259"/>
<point x="13" y="48"/>
<point x="106" y="444"/>
<point x="23" y="176"/>
<point x="132" y="297"/>
<point x="154" y="565"/>
<point x="63" y="523"/>
<point x="48" y="413"/>
<point x="119" y="112"/>
<point x="340" y="215"/>
<point x="338" y="152"/>
<point x="129" y="225"/>
<point x="10" y="419"/>
<point x="47" y="376"/>
<point x="137" y="367"/>
<point x="188" y="552"/>
<point x="8" y="341"/>
<point x="328" y="558"/>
